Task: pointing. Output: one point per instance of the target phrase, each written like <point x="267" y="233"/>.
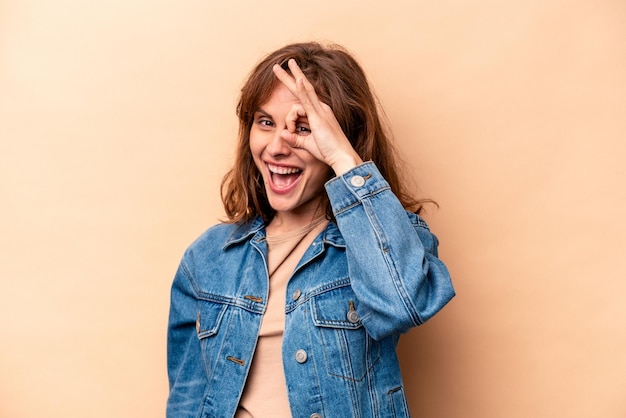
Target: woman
<point x="294" y="306"/>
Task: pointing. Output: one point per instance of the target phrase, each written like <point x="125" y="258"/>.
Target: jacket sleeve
<point x="187" y="377"/>
<point x="392" y="256"/>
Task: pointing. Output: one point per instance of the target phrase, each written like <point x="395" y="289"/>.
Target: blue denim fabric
<point x="366" y="279"/>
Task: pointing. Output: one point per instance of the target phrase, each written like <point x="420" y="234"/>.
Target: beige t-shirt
<point x="265" y="393"/>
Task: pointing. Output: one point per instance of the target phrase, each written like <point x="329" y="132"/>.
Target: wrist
<point x="345" y="163"/>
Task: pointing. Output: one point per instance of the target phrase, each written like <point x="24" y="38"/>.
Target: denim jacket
<point x="364" y="280"/>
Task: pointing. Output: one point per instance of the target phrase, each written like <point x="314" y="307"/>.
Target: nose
<point x="277" y="145"/>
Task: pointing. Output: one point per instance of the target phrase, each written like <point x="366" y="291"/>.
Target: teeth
<point x="282" y="170"/>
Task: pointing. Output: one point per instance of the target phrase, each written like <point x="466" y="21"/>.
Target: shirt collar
<point x="247" y="230"/>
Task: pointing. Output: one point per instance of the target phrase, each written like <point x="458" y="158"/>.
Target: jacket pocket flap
<point x="336" y="308"/>
<point x="209" y="317"/>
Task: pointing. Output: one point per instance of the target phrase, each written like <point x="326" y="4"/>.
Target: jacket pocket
<point x="398" y="404"/>
<point x="348" y="350"/>
<point x="208" y="322"/>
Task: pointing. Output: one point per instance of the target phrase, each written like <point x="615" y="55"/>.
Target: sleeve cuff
<point x="355" y="185"/>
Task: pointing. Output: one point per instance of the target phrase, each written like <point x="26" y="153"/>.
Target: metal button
<point x="357" y="181"/>
<point x="353" y="316"/>
<point x="301" y="356"/>
<point x="316" y="415"/>
<point x="296" y="294"/>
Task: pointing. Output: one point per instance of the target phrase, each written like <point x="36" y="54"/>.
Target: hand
<point x="326" y="141"/>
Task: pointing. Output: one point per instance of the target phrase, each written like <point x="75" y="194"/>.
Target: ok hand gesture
<point x="326" y="141"/>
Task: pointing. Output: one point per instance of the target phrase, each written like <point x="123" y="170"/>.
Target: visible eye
<point x="303" y="129"/>
<point x="264" y="122"/>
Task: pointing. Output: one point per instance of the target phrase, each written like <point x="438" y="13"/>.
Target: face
<point x="294" y="179"/>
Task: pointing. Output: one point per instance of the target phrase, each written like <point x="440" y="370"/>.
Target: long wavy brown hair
<point x="339" y="82"/>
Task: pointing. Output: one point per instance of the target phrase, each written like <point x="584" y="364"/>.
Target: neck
<point x="284" y="222"/>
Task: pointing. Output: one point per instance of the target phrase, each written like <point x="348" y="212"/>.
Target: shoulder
<point x="215" y="251"/>
<point x="201" y="254"/>
<point x="219" y="237"/>
<point x="215" y="236"/>
<point x="211" y="241"/>
<point x="417" y="221"/>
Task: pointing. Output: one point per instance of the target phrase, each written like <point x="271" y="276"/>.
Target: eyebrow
<point x="264" y="113"/>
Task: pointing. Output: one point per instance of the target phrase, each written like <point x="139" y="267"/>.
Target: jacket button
<point x="301" y="356"/>
<point x="357" y="181"/>
<point x="316" y="415"/>
<point x="296" y="294"/>
<point x="352" y="316"/>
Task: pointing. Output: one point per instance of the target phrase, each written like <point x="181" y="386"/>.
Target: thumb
<point x="294" y="140"/>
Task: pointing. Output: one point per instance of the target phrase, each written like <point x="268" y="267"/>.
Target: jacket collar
<point x="246" y="231"/>
<point x="332" y="235"/>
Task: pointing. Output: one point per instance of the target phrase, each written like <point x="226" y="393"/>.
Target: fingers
<point x="294" y="140"/>
<point x="296" y="112"/>
<point x="285" y="78"/>
<point x="306" y="91"/>
<point x="298" y="84"/>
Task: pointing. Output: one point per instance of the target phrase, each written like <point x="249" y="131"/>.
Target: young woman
<point x="294" y="306"/>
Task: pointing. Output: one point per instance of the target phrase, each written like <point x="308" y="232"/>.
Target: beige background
<point x="117" y="123"/>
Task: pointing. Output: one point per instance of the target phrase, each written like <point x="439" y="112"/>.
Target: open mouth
<point x="283" y="177"/>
